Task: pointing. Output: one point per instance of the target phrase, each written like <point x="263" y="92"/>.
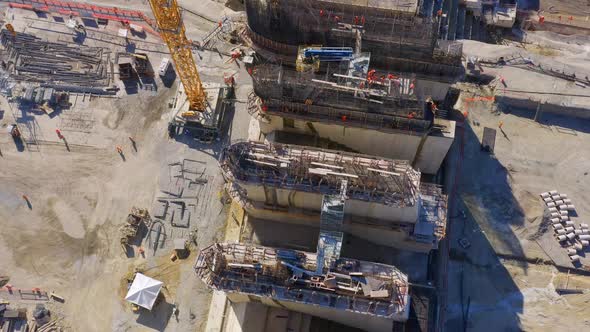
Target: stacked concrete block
<point x="575" y="238"/>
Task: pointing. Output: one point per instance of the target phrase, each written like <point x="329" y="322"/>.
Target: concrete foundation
<point x="348" y="317"/>
<point x="398" y="145"/>
<point x="389" y="234"/>
<point x="313" y="202"/>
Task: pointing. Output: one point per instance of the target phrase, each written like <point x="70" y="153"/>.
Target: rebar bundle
<point x="35" y="60"/>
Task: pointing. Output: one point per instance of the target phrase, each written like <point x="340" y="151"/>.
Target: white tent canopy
<point x="144" y="291"/>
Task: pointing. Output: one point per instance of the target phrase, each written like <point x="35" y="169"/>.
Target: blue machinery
<point x="328" y="53"/>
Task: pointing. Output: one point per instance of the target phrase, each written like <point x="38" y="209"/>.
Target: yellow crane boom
<point x="172" y="30"/>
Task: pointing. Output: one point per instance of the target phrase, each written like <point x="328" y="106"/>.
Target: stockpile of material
<point x="54" y="63"/>
<point x="574" y="238"/>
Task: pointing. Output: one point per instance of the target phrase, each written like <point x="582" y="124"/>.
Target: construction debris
<point x="137" y="219"/>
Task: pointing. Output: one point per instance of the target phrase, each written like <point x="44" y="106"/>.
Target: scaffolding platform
<point x="289" y="276"/>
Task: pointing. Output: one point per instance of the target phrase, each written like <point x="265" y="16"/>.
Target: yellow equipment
<point x="172" y="30"/>
<point x="189" y="114"/>
<point x="10" y="29"/>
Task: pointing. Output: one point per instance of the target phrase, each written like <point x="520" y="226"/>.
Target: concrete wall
<point x="373" y="142"/>
<point x="394" y="236"/>
<point x="564" y="29"/>
<point x="313" y="201"/>
<point x="256" y="317"/>
<point x="434" y="152"/>
<point x="349" y="318"/>
<point x="576" y="111"/>
<point x="436" y="90"/>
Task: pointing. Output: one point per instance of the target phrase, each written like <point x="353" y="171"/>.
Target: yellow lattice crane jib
<point x="172" y="30"/>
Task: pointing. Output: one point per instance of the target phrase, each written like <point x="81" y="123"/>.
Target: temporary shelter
<point x="144" y="291"/>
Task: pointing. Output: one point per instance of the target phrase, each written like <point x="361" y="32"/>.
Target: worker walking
<point x="120" y="151"/>
<point x="500" y="126"/>
<point x="26" y="198"/>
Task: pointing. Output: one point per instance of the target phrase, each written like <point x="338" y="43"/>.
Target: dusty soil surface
<point x="506" y="278"/>
<point x="67" y="240"/>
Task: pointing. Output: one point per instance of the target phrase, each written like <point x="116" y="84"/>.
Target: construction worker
<point x="26" y="198"/>
<point x="371" y="76"/>
<point x="433" y="107"/>
<point x="119" y="150"/>
<point x="236" y="54"/>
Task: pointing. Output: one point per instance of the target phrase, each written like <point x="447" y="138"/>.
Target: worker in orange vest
<point x="433" y="107"/>
<point x="26" y="198"/>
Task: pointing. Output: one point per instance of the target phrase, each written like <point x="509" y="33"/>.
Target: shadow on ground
<point x="488" y="198"/>
<point x="157" y="318"/>
<point x="482" y="292"/>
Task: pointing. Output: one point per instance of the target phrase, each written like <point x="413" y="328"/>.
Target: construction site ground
<point x="507" y="277"/>
<point x="67" y="241"/>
